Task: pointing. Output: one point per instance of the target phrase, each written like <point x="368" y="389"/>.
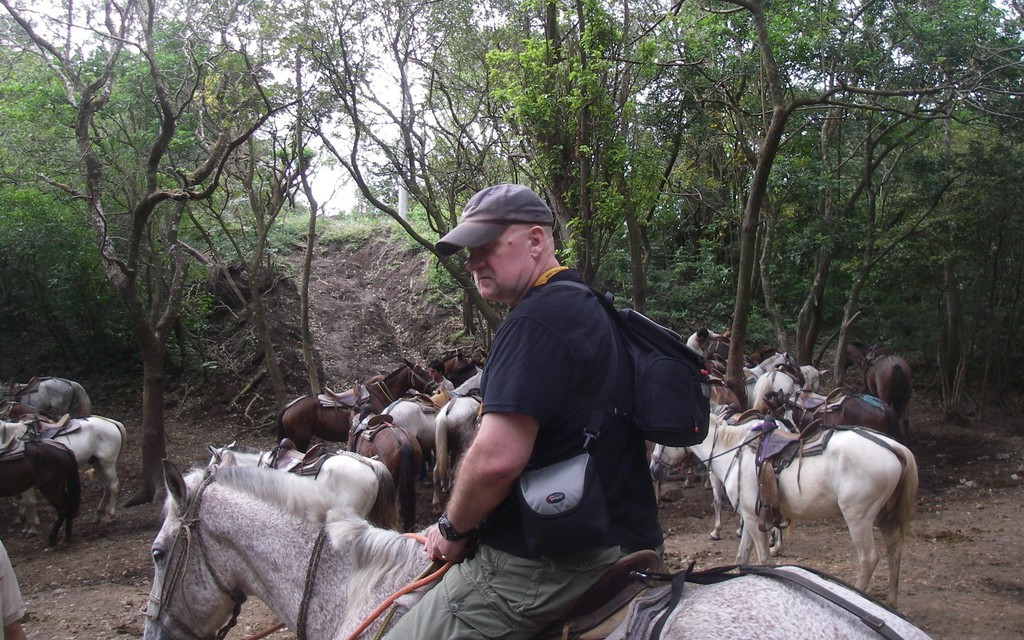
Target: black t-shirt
<point x="548" y="361"/>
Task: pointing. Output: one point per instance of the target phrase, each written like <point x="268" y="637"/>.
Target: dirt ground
<point x="961" y="569"/>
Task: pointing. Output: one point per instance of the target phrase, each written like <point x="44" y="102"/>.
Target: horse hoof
<point x="714" y="536"/>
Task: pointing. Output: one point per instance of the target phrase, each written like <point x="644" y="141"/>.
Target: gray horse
<point x="53" y="397"/>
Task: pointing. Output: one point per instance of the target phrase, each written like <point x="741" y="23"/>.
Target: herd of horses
<point x="47" y="433"/>
<point x="349" y="504"/>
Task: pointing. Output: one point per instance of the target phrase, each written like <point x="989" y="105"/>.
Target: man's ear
<point x="538" y="240"/>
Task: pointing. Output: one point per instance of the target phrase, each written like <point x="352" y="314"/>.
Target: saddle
<point x="440" y="398"/>
<point x="287" y="458"/>
<point x="745" y="416"/>
<point x="778" y="448"/>
<point x="49" y="430"/>
<point x="792" y="371"/>
<point x="10" y="445"/>
<point x="348" y="399"/>
<point x="18" y="390"/>
<point x="603" y="607"/>
<point x="424" y="401"/>
<point x="373" y="426"/>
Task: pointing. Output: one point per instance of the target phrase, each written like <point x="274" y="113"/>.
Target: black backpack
<point x="671" y="393"/>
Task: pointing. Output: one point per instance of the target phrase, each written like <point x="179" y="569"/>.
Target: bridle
<point x="188" y="531"/>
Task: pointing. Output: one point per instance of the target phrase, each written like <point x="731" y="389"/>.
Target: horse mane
<point x="377" y="553"/>
<point x="301" y="497"/>
<point x="243" y="448"/>
<point x="728" y="435"/>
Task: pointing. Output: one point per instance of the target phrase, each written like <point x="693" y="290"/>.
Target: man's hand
<point x="444" y="550"/>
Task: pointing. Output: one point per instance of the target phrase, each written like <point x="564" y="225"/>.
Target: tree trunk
<point x="752" y="210"/>
<point x="781" y="336"/>
<point x="951" y="344"/>
<point x="154" y="448"/>
<point x="809" y="320"/>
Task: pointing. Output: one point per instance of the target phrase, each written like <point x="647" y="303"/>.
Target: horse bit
<point x="175" y="572"/>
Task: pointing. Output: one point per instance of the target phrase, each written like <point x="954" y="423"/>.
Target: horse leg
<point x="29" y="512"/>
<point x="717" y="489"/>
<point x="442" y="460"/>
<point x="863" y="536"/>
<point x="105" y="511"/>
<point x="750" y="539"/>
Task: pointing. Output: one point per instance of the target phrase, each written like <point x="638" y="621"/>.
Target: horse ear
<point x="175" y="483"/>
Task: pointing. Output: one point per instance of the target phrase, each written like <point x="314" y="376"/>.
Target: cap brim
<point x="469" y="234"/>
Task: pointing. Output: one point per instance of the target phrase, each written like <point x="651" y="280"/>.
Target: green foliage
<point x="52" y="282"/>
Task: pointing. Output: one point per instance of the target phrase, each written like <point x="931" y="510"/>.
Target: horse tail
<point x="900" y="392"/>
<point x="279" y="423"/>
<point x="407" y="470"/>
<point x="72" y="487"/>
<point x="384" y="512"/>
<point x="441" y="457"/>
<point x="81" y="405"/>
<point x="897" y="512"/>
<point x="124" y="437"/>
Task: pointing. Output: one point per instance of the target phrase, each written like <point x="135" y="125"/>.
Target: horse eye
<point x="158" y="555"/>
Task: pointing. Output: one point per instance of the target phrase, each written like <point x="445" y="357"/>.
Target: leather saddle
<point x="287" y="458"/>
<point x="347" y="399"/>
<point x="603" y="607"/>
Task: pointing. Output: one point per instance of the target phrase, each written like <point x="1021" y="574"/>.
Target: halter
<point x="190" y="528"/>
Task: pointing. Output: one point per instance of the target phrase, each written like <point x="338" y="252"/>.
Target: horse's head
<point x="856" y="353"/>
<point x="188" y="598"/>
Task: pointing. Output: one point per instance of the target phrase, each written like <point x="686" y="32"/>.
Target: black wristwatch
<point x="448" y="532"/>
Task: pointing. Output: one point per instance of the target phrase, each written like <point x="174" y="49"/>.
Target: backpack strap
<point x="597" y="417"/>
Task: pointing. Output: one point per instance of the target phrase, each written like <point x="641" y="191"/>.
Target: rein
<point x="425" y="578"/>
<point x="175" y="574"/>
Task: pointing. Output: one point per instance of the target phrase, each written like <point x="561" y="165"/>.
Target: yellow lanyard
<point x="547" y="275"/>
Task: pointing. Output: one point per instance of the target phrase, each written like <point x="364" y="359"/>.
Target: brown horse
<point x="886" y="377"/>
<point x="384" y="390"/>
<point x="50" y="467"/>
<point x="400" y="452"/>
<point x="835" y="410"/>
<point x="329" y="415"/>
<point x="307" y="416"/>
<point x="458" y="368"/>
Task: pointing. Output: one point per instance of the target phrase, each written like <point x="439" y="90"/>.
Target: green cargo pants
<point x="497" y="595"/>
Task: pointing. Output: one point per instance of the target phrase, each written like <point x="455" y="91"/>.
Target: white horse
<point x="867" y="478"/>
<point x="774" y="380"/>
<point x="251" y="532"/>
<point x="361" y="486"/>
<point x="53" y="397"/>
<point x="416" y="419"/>
<point x="454" y="429"/>
<point x="96" y="441"/>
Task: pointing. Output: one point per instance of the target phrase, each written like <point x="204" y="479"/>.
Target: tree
<point x="153" y="118"/>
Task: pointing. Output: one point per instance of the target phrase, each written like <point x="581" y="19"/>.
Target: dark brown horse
<point x="400" y="452"/>
<point x="886" y="377"/>
<point x="52" y="468"/>
<point x="458" y="368"/>
<point x="384" y="390"/>
<point x="328" y="418"/>
<point x="835" y="410"/>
